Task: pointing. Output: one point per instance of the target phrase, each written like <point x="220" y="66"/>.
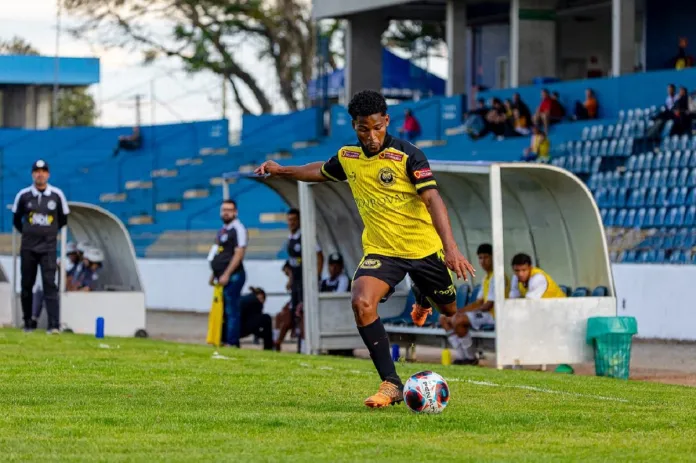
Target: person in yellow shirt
<point x="532" y="282"/>
<point x="539" y="147"/>
<point x="475" y="315"/>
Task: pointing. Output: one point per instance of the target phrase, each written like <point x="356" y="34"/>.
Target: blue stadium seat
<point x="649" y="159"/>
<point x="621" y="195"/>
<point x="655" y="179"/>
<point x="649" y="219"/>
<point x="600" y="291"/>
<point x="639" y="218"/>
<point x="621" y="147"/>
<point x="463" y="295"/>
<point x="657" y="161"/>
<point x="681" y="196"/>
<point x="666" y="160"/>
<point x="570" y="163"/>
<point x="586" y="133"/>
<point x="690" y="218"/>
<point x="680" y="238"/>
<point x="628" y="151"/>
<point x="614" y="218"/>
<point x="581" y="292"/>
<point x="661" y="196"/>
<point x="636" y="180"/>
<point x="566" y="289"/>
<point x="587" y="148"/>
<point x="585" y="164"/>
<point x="600" y="132"/>
<point x="612" y="148"/>
<point x="405" y="317"/>
<point x="684" y="161"/>
<point x="659" y="256"/>
<point x="676" y="257"/>
<point x="676" y="160"/>
<point x="604" y="148"/>
<point x="474" y="294"/>
<point x="593" y="182"/>
<point x="691" y="197"/>
<point x="651" y="198"/>
<point x="595" y="148"/>
<point x="659" y="220"/>
<point x="610" y="198"/>
<point x="692" y="178"/>
<point x="667" y="240"/>
<point x="684" y="142"/>
<point x="603" y="214"/>
<point x="683" y="177"/>
<point x="689" y="238"/>
<point x="672" y="196"/>
<point x="672" y="178"/>
<point x="646" y="257"/>
<point x="596" y="164"/>
<point x="674" y="142"/>
<point x="621" y="257"/>
<point x="628" y="179"/>
<point x="613" y="179"/>
<point x="632" y="162"/>
<point x="693" y="144"/>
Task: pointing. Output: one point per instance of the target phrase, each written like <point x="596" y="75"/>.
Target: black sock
<point x="375" y="338"/>
<point x="421" y="300"/>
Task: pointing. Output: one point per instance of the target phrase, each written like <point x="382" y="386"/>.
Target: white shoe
<point x="53" y="331"/>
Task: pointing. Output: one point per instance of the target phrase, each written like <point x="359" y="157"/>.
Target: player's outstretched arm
<point x="438" y="212"/>
<point x="307" y="173"/>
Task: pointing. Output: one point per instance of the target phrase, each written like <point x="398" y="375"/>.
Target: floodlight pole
<point x="56" y="68"/>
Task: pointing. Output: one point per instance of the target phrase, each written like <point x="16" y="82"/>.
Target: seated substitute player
<point x="531" y="282"/>
<point x="338" y="281"/>
<point x="407" y="229"/>
<point x="87" y="279"/>
<point x="475" y="315"/>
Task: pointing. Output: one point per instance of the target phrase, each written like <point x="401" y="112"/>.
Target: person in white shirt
<point x="531" y="282"/>
<point x="338" y="281"/>
<point x="672" y="97"/>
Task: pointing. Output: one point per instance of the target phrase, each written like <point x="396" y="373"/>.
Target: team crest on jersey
<point x="371" y="264"/>
<point x="51" y="205"/>
<point x="350" y="154"/>
<point x="392" y="156"/>
<point x="223" y="238"/>
<point x="386" y="176"/>
<point x="422" y="173"/>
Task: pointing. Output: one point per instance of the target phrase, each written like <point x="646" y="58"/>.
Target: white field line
<point x="490" y="384"/>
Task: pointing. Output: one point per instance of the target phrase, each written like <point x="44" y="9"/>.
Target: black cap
<point x="336" y="258"/>
<point x="38" y="165"/>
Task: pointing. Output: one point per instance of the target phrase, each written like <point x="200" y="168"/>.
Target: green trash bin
<point x="611" y="338"/>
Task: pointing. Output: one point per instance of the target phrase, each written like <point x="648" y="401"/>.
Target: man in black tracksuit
<point x="40" y="211"/>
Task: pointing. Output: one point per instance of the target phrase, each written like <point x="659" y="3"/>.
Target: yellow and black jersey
<point x="386" y="189"/>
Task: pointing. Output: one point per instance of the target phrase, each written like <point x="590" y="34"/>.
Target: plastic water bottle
<point x="99" y="332"/>
<point x="395" y="352"/>
<point x="446" y="357"/>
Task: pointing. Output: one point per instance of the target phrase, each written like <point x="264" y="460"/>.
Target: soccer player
<point x="531" y="282"/>
<point x="407" y="229"/>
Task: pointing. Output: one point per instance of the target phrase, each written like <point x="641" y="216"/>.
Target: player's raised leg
<point x="432" y="285"/>
<point x="374" y="281"/>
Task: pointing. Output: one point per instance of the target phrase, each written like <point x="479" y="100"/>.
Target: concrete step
<point x="112" y="197"/>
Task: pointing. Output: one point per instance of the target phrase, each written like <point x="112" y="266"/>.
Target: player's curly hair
<point x="367" y="103"/>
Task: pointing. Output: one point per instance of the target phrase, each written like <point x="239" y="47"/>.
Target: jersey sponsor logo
<point x="386" y="176"/>
<point x="392" y="201"/>
<point x="51" y="205"/>
<point x="422" y="173"/>
<point x="350" y="154"/>
<point x="298" y="247"/>
<point x="371" y="264"/>
<point x="41" y="220"/>
<point x="392" y="156"/>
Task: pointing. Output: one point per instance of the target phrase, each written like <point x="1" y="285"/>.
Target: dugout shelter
<point x="538" y="209"/>
<point x="119" y="297"/>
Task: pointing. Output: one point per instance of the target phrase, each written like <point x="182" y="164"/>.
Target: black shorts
<point x="429" y="274"/>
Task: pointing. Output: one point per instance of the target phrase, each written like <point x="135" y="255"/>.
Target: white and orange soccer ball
<point x="426" y="392"/>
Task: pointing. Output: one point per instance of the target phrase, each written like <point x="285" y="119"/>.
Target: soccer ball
<point x="426" y="392"/>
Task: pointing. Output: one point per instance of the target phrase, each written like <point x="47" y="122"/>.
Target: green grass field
<point x="73" y="398"/>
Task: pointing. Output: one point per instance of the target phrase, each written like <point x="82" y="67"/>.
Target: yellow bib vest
<point x="552" y="289"/>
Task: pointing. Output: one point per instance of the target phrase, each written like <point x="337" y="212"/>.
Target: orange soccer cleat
<point x="420" y="314"/>
<point x="388" y="394"/>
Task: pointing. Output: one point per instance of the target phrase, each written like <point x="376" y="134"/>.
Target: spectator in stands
<point x="682" y="101"/>
<point x="671" y="97"/>
<point x="589" y="108"/>
<point x="130" y="142"/>
<point x="682" y="60"/>
<point x="497" y="121"/>
<point x="558" y="112"/>
<point x="522" y="115"/>
<point x="91" y="266"/>
<point x="294" y="250"/>
<point x="543" y="114"/>
<point x="532" y="282"/>
<point x="475" y="315"/>
<point x="539" y="148"/>
<point x="253" y="320"/>
<point x="475" y="122"/>
<point x="226" y="258"/>
<point x="411" y="128"/>
<point x="667" y="114"/>
<point x="338" y="281"/>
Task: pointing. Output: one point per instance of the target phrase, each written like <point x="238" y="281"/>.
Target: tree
<point x="206" y="35"/>
<point x="416" y="37"/>
<point x="76" y="107"/>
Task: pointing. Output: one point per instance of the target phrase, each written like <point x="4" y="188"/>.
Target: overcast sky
<point x="181" y="96"/>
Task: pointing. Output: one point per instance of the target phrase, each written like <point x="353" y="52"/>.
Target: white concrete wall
<point x="659" y="296"/>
